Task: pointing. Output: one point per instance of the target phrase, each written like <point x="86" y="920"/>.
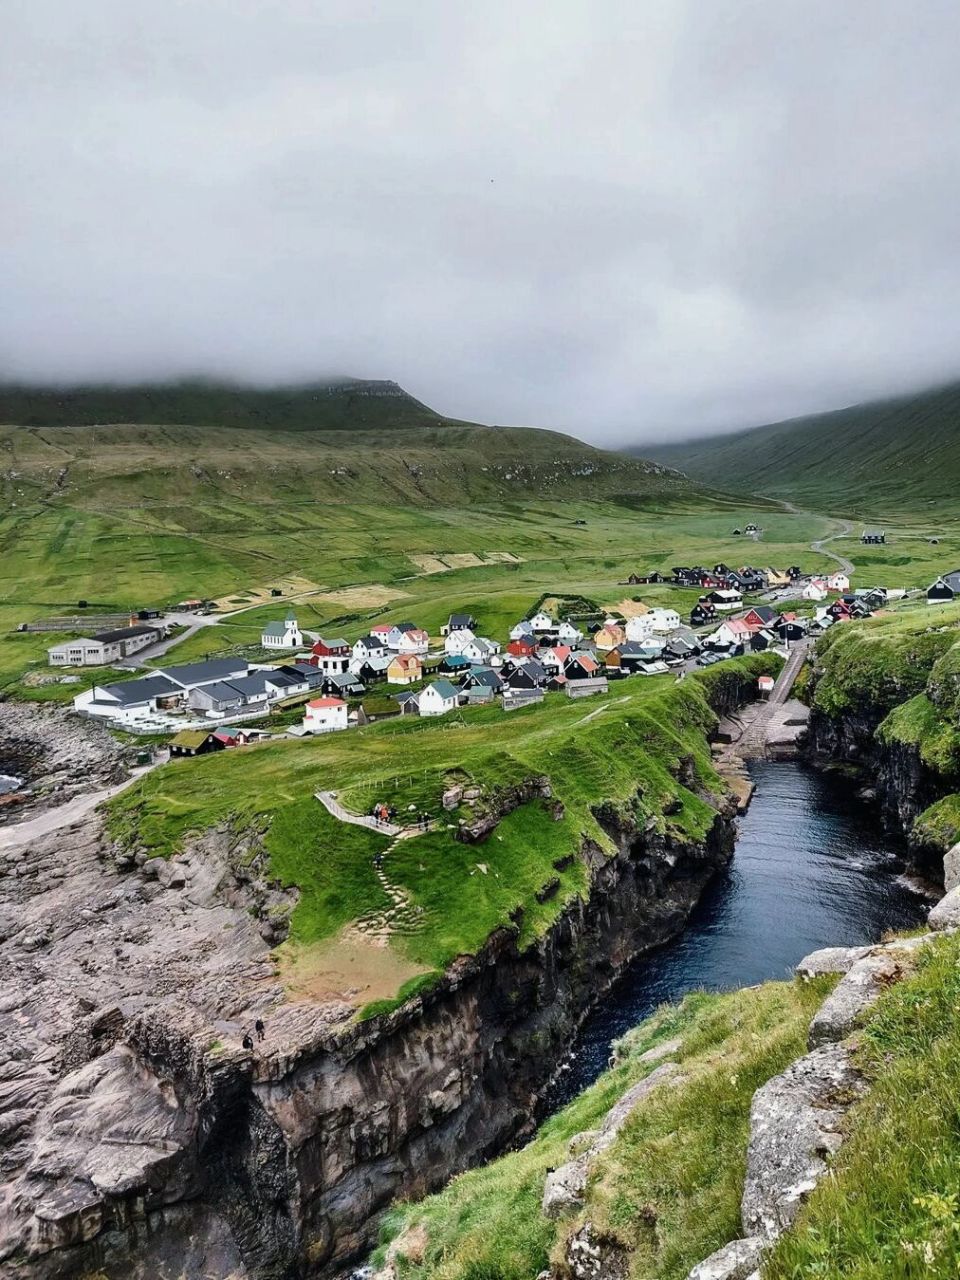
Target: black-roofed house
<point x="195" y="742"/>
<point x="946" y="587"/>
<point x="481" y="685"/>
<point x="459" y="622"/>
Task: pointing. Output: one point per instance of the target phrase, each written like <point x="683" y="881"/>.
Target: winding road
<point x="820" y="544"/>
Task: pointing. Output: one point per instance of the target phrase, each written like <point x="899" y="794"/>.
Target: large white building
<point x="103" y="648"/>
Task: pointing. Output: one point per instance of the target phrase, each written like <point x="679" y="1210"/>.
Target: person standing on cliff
<point x="247" y="1041"/>
<point x="259" y="1028"/>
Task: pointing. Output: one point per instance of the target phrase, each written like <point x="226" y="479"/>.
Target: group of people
<point x="260" y="1031"/>
<point x="383" y="813"/>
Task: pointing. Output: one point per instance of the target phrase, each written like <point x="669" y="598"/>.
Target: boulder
<point x="946" y="914"/>
<point x="735" y="1261"/>
<point x="564" y="1188"/>
<point x="856" y="991"/>
<point x="795" y="1121"/>
<point x="830" y="960"/>
<point x="951" y="868"/>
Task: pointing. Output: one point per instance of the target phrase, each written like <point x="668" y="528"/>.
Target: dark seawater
<point x="812" y="869"/>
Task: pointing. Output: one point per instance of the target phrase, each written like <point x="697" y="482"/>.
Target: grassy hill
<point x="343" y="441"/>
<point x="868" y="460"/>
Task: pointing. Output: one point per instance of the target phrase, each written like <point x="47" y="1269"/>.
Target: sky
<point x="632" y="221"/>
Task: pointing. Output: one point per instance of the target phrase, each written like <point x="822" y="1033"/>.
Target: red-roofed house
<point x="325" y="715"/>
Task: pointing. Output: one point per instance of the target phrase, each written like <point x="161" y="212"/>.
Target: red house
<point x="522" y="648"/>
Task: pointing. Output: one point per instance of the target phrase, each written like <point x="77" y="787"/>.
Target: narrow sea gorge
<point x="812" y="869"/>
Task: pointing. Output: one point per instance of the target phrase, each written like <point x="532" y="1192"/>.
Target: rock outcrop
<point x="129" y="1114"/>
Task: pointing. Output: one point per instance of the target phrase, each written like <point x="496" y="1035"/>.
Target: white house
<point x="814" y="590"/>
<point x="725" y="599"/>
<point x="664" y="620"/>
<point x="521" y="629"/>
<point x="416" y="640"/>
<point x="370" y="646"/>
<point x="541" y="622"/>
<point x="640" y="627"/>
<point x="438" y="698"/>
<point x="282" y="635"/>
<point x="567" y="633"/>
<point x="838" y="582"/>
<point x="456" y="641"/>
<point x="480" y="649"/>
<point x="325" y="715"/>
<point x="388" y="634"/>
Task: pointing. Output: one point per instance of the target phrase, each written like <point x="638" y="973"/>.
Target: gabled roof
<point x="406" y="660"/>
<point x="196" y="673"/>
<point x="370" y="642"/>
<point x="952" y="579"/>
<point x="338" y="643"/>
<point x="246" y="685"/>
<point x="223" y="692"/>
<point x="129" y="692"/>
<point x="460" y="621"/>
<point x="444" y="689"/>
<point x="190" y="738"/>
<point x="275" y="629"/>
<point x="326" y="702"/>
<point x="123" y="633"/>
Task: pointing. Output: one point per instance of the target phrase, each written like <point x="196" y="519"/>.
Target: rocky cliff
<point x="134" y="1143"/>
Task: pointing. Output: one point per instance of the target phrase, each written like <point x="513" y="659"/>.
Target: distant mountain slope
<point x="870" y="459"/>
<point x="337" y="404"/>
<point x="353" y="442"/>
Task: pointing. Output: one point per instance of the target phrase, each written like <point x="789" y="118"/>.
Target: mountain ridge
<point x="899" y="453"/>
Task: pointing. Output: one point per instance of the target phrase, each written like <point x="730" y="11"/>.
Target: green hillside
<point x="901" y="454"/>
<point x="346" y="441"/>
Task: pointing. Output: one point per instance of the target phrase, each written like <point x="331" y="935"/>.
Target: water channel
<point x="812" y="869"/>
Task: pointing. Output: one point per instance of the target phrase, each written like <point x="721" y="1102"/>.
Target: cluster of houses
<point x="338" y="683"/>
<point x="722" y="578"/>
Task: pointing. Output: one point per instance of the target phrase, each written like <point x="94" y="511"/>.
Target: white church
<point x="282" y="635"/>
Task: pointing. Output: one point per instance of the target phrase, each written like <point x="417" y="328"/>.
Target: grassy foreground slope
<point x="668" y="1190"/>
<point x="871" y="459"/>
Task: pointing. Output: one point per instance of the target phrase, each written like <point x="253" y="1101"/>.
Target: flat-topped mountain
<point x="346" y="440"/>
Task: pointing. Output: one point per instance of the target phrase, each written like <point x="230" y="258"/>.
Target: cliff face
<point x="278" y="1167"/>
<point x="903" y="785"/>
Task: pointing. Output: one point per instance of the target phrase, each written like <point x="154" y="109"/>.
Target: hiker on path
<point x="259" y="1028"/>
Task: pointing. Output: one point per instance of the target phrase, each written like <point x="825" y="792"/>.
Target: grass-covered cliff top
<point x="899" y="675"/>
<point x="873" y="666"/>
<point x="668" y="1190"/>
<point x="626" y="751"/>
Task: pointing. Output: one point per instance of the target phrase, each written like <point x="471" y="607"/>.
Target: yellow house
<point x="609" y="637"/>
<point x="406" y="668"/>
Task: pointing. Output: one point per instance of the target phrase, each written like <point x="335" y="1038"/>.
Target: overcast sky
<point x="628" y="220"/>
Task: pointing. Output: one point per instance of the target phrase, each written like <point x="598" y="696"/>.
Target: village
<point x="301" y="685"/>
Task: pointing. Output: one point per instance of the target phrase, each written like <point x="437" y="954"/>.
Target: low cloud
<point x="632" y="222"/>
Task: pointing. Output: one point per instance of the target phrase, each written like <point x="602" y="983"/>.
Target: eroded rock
<point x="735" y="1261"/>
<point x="856" y="991"/>
<point x="795" y="1125"/>
<point x="946" y="914"/>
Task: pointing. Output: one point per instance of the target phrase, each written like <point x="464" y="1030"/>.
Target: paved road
<point x="65" y="815"/>
<point x="819" y="544"/>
